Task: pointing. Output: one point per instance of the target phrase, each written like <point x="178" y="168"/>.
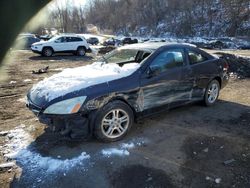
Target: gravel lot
<point x="190" y="146"/>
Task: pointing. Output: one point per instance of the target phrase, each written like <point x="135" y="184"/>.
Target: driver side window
<point x="168" y="59"/>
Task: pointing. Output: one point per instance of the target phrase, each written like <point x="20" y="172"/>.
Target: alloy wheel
<point x="47" y="52"/>
<point x="81" y="52"/>
<point x="213" y="93"/>
<point x="115" y="123"/>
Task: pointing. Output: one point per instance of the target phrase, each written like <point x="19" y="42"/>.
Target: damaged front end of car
<point x="64" y="117"/>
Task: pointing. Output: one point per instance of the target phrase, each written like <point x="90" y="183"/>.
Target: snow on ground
<point x="27" y="80"/>
<point x="115" y="151"/>
<point x="74" y="79"/>
<point x="41" y="170"/>
<point x="12" y="82"/>
<point x="18" y="140"/>
<point x="58" y="69"/>
<point x="123" y="149"/>
<point x="17" y="149"/>
<point x="35" y="160"/>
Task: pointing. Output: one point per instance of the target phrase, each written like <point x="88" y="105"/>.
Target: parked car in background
<point x="244" y="47"/>
<point x="128" y="83"/>
<point x="93" y="40"/>
<point x="45" y="37"/>
<point x="26" y="35"/>
<point x="128" y="40"/>
<point x="217" y="43"/>
<point x="61" y="44"/>
<point x="24" y="42"/>
<point x="112" y="42"/>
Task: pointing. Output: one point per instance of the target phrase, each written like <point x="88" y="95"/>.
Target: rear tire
<point x="113" y="121"/>
<point x="81" y="51"/>
<point x="47" y="52"/>
<point x="212" y="93"/>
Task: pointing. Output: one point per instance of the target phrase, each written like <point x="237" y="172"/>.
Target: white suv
<point x="61" y="44"/>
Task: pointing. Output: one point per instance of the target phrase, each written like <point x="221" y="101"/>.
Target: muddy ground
<point x="190" y="146"/>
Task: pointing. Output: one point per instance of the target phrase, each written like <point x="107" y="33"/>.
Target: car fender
<point x="81" y="46"/>
<point x="99" y="102"/>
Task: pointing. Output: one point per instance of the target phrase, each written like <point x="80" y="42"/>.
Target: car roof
<point x="152" y="46"/>
<point x="69" y="35"/>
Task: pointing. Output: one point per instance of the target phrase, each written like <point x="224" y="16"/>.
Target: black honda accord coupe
<point x="105" y="98"/>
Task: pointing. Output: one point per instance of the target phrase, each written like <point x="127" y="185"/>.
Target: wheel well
<point x="218" y="79"/>
<point x="126" y="102"/>
<point x="48" y="47"/>
<point x="82" y="47"/>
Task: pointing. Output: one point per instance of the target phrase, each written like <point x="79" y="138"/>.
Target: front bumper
<point x="75" y="125"/>
<point x="36" y="50"/>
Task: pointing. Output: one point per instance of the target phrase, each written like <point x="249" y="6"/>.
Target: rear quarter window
<point x="196" y="57"/>
<point x="167" y="60"/>
<point x="73" y="39"/>
<point x="77" y="39"/>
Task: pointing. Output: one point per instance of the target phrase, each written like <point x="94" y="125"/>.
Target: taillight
<point x="225" y="66"/>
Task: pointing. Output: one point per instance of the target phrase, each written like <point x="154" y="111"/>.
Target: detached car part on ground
<point x="62" y="44"/>
<point x="129" y="83"/>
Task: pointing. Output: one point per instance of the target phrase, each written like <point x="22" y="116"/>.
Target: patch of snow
<point x="74" y="79"/>
<point x="3" y="133"/>
<point x="208" y="178"/>
<point x="94" y="51"/>
<point x="12" y="82"/>
<point x="7" y="165"/>
<point x="217" y="180"/>
<point x="58" y="69"/>
<point x="114" y="151"/>
<point x="22" y="100"/>
<point x="35" y="160"/>
<point x="122" y="149"/>
<point x="27" y="80"/>
<point x="19" y="139"/>
<point x="128" y="145"/>
<point x="17" y="149"/>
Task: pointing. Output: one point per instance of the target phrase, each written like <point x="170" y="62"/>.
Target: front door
<point x="162" y="83"/>
<point x="60" y="44"/>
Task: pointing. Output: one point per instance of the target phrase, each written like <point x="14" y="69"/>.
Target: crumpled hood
<point x="75" y="79"/>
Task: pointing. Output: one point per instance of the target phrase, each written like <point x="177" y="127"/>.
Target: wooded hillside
<point x="172" y="17"/>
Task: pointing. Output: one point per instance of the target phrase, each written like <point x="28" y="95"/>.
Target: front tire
<point x="47" y="52"/>
<point x="212" y="93"/>
<point x="113" y="121"/>
<point x="81" y="51"/>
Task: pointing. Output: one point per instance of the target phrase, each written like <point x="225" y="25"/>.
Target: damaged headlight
<point x="69" y="106"/>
